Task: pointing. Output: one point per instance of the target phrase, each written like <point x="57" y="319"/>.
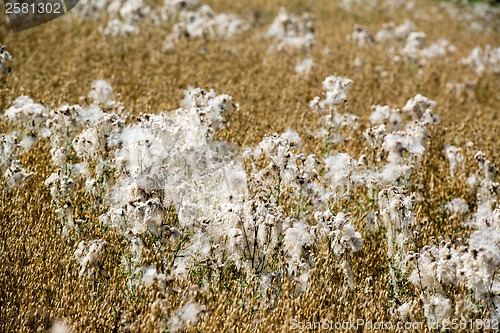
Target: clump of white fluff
<point x="344" y="239"/>
<point x="484" y="60"/>
<point x="455" y="158"/>
<point x="457" y="207"/>
<point x="405" y="147"/>
<point x="88" y="255"/>
<point x="27" y="118"/>
<point x="414" y="45"/>
<point x="117" y="27"/>
<point x="101" y="93"/>
<point x="151" y="276"/>
<point x="304" y="67"/>
<point x="361" y="36"/>
<point x="437" y="308"/>
<point x="5" y="57"/>
<point x="404" y="30"/>
<point x="387" y="33"/>
<point x="335" y="90"/>
<point x="420" y="108"/>
<point x="438" y="49"/>
<point x="202" y="22"/>
<point x="16" y="174"/>
<point x="125" y="17"/>
<point x="296" y="238"/>
<point x="332" y="122"/>
<point x="60" y="327"/>
<point x="340" y="175"/>
<point x="186" y="316"/>
<point x="290" y="31"/>
<point x="137" y="217"/>
<point x="391" y="118"/>
<point x="8" y="149"/>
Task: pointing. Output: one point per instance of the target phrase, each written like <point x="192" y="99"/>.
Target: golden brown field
<point x="55" y="63"/>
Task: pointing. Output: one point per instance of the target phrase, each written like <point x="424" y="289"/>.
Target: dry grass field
<point x="55" y="64"/>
